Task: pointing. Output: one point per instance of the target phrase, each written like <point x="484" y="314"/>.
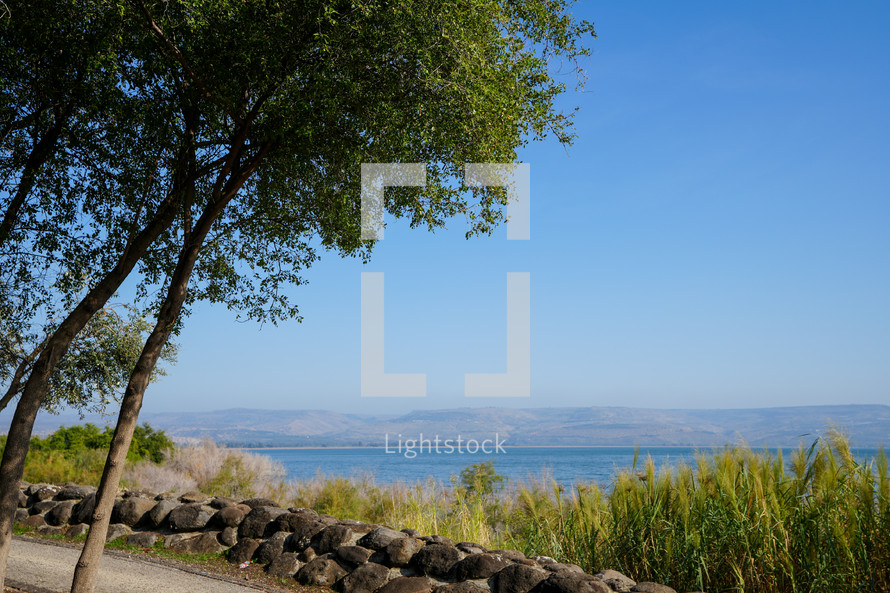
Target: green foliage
<point x="481" y="479"/>
<point x="737" y="521"/>
<point x="77" y="453"/>
<point x="315" y="90"/>
<point x="150" y="444"/>
<point x="97" y="366"/>
<point x="69" y="170"/>
<point x="71" y="441"/>
<point x="57" y="467"/>
<point x="232" y="480"/>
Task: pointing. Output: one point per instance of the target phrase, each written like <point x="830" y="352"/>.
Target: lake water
<point x="567" y="465"/>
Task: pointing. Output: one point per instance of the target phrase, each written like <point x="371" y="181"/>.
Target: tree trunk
<point x="35" y="388"/>
<point x="86" y="573"/>
<point x="87" y="570"/>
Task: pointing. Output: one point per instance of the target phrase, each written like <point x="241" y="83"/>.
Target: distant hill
<point x="867" y="426"/>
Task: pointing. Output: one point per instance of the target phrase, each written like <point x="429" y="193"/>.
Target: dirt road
<point x="42" y="567"/>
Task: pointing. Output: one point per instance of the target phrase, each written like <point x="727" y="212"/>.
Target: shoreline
<point x="703" y="448"/>
<point x="322" y="448"/>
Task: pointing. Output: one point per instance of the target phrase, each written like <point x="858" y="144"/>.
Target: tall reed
<point x="735" y="521"/>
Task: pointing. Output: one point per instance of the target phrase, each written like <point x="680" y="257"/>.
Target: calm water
<point x="566" y="464"/>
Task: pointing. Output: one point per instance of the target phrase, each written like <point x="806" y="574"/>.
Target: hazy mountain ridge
<point x="867" y="426"/>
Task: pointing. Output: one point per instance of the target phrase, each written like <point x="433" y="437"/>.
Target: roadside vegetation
<point x="735" y="520"/>
<point x="77" y="453"/>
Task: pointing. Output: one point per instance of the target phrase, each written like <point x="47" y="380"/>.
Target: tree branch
<point x="156" y="30"/>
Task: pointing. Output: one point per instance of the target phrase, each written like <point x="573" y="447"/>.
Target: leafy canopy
<point x="308" y="91"/>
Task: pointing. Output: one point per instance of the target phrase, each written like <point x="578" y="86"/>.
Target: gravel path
<point x="40" y="567"/>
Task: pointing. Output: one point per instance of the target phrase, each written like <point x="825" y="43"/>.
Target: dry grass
<point x="211" y="468"/>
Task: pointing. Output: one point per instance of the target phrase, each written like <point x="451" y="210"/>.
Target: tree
<point x="77" y="219"/>
<point x="276" y="105"/>
<point x="96" y="367"/>
<point x="481" y="479"/>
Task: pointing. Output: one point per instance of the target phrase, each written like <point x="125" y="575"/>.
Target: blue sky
<point x="716" y="237"/>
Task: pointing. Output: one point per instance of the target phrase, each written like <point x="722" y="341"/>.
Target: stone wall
<point x="315" y="549"/>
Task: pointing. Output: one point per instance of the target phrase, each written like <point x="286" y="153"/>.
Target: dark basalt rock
<point x="464" y="587"/>
<point x="203" y="543"/>
<point x="140" y="493"/>
<point x="143" y="539"/>
<point x="286" y="565"/>
<point x="330" y="538"/>
<point x="243" y="550"/>
<point x="44" y="492"/>
<point x="51" y="530"/>
<point x="303" y="534"/>
<point x="260" y="522"/>
<point x="190" y="517"/>
<point x="75" y="492"/>
<point x="303" y="511"/>
<point x="34" y="521"/>
<point x="567" y="582"/>
<point x="77" y="530"/>
<point x="353" y="555"/>
<point x="400" y="551"/>
<point x="514" y="555"/>
<point x="271" y="549"/>
<point x="380" y="537"/>
<point x="322" y="571"/>
<point x="307" y="555"/>
<point x="407" y="585"/>
<point x="161" y="511"/>
<point x="291" y="521"/>
<point x="230" y="516"/>
<point x="367" y="578"/>
<point x="477" y="566"/>
<point x="563" y="567"/>
<point x="435" y="560"/>
<point x="411" y="532"/>
<point x="61" y="513"/>
<point x="647" y="587"/>
<point x="228" y="537"/>
<point x="132" y="511"/>
<point x="117" y="531"/>
<point x="616" y="581"/>
<point x="194" y="498"/>
<point x="221" y="502"/>
<point x="40" y="508"/>
<point x="316" y="549"/>
<point x="517" y="578"/>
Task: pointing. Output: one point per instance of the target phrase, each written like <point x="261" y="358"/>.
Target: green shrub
<point x="77" y="453"/>
<point x="147" y="442"/>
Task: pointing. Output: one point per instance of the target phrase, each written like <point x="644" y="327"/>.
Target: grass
<point x="735" y="520"/>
